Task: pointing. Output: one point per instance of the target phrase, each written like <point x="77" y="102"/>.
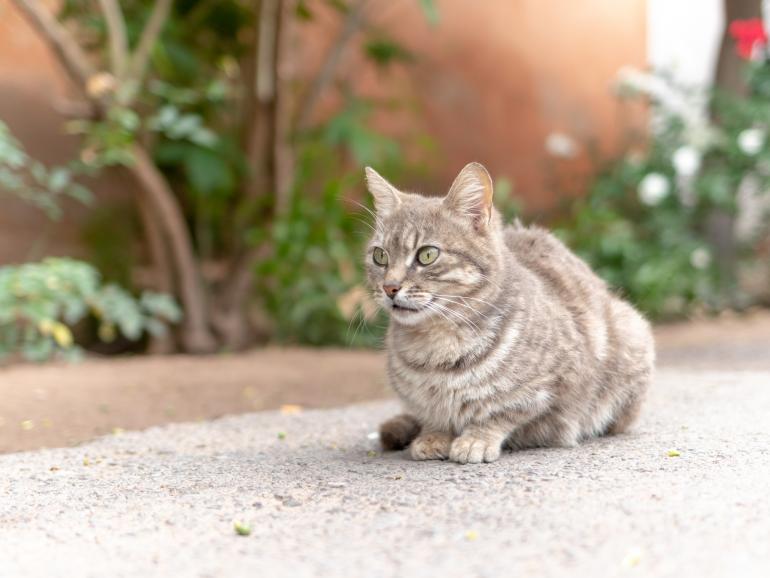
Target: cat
<point x="498" y="334"/>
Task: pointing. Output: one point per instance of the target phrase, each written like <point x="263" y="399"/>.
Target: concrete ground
<point x="320" y="500"/>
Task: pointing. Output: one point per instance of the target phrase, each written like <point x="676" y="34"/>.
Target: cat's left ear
<point x="386" y="197"/>
<point x="471" y="194"/>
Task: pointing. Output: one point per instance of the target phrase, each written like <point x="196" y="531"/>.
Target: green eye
<point x="379" y="256"/>
<point x="426" y="255"/>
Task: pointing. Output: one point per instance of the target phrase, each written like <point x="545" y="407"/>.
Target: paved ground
<point x="320" y="502"/>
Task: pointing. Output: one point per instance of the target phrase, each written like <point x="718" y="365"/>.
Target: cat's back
<point x="608" y="322"/>
<point x="567" y="276"/>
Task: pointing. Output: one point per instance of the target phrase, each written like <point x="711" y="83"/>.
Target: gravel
<point x="323" y="501"/>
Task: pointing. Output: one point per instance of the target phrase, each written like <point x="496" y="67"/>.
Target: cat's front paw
<point x="473" y="450"/>
<point x="431" y="446"/>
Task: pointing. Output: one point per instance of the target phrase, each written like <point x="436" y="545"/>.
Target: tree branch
<point x="283" y="152"/>
<point x="266" y="50"/>
<point x="59" y="40"/>
<point x="197" y="337"/>
<point x="353" y="21"/>
<point x="116" y="32"/>
<point x="150" y="34"/>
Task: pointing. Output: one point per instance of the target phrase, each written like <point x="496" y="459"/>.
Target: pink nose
<point x="391" y="289"/>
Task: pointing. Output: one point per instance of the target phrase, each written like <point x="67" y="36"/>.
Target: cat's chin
<point x="408" y="316"/>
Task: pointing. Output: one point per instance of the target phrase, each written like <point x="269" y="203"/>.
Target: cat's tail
<point x="398" y="432"/>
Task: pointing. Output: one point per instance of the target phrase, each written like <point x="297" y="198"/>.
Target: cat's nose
<point x="391" y="289"/>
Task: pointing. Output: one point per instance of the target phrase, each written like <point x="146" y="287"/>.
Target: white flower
<point x="561" y="145"/>
<point x="751" y="141"/>
<point x="653" y="188"/>
<point x="666" y="97"/>
<point x="686" y="161"/>
<point x="700" y="258"/>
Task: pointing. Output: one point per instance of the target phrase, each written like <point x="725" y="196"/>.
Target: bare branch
<point x="266" y="49"/>
<point x="69" y="54"/>
<point x="150" y="34"/>
<point x="283" y="151"/>
<point x="198" y="336"/>
<point x="353" y="21"/>
<point x="116" y="32"/>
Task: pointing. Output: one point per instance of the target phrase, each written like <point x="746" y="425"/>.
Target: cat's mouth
<point x="399" y="307"/>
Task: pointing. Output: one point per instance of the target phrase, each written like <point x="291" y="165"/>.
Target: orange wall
<point x="497" y="76"/>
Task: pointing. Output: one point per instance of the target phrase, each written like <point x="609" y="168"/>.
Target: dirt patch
<point x="57" y="404"/>
<point x="729" y="342"/>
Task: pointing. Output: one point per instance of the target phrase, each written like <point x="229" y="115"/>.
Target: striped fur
<point x="507" y="338"/>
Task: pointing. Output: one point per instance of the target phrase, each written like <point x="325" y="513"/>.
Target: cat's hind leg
<point x="626" y="416"/>
<point x="398" y="432"/>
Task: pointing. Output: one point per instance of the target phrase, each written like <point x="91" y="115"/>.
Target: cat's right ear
<point x="386" y="197"/>
<point x="471" y="194"/>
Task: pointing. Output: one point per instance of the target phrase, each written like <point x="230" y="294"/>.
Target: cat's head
<point x="431" y="257"/>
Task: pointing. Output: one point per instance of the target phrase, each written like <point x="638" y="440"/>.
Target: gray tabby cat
<point x="498" y="334"/>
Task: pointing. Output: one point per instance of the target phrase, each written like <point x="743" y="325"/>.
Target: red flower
<point x="747" y="34"/>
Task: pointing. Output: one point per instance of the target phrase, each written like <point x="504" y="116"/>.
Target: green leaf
<point x="303" y="11"/>
<point x="385" y="52"/>
<point x="208" y="173"/>
<point x="58" y="179"/>
<point x="80" y="193"/>
<point x="430" y="10"/>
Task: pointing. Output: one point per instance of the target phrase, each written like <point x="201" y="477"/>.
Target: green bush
<point x="40" y="302"/>
<point x="656" y="256"/>
<point x="644" y="225"/>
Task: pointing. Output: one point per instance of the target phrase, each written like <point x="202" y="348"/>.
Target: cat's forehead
<point x="411" y="223"/>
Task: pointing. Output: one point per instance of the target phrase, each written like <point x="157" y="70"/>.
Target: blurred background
<point x="186" y="176"/>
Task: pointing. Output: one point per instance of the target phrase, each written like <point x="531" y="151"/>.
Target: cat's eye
<point x="426" y="255"/>
<point x="379" y="256"/>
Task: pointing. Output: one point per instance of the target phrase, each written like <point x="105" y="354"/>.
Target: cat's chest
<point x="439" y="348"/>
<point x="444" y="399"/>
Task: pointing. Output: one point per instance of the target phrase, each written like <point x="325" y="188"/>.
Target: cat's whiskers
<point x="453" y="302"/>
<point x="436" y="308"/>
<point x="377" y="227"/>
<point x="462" y="303"/>
<point x="363" y="222"/>
<point x="361" y="321"/>
<point x="459" y="316"/>
<point x="429" y="296"/>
